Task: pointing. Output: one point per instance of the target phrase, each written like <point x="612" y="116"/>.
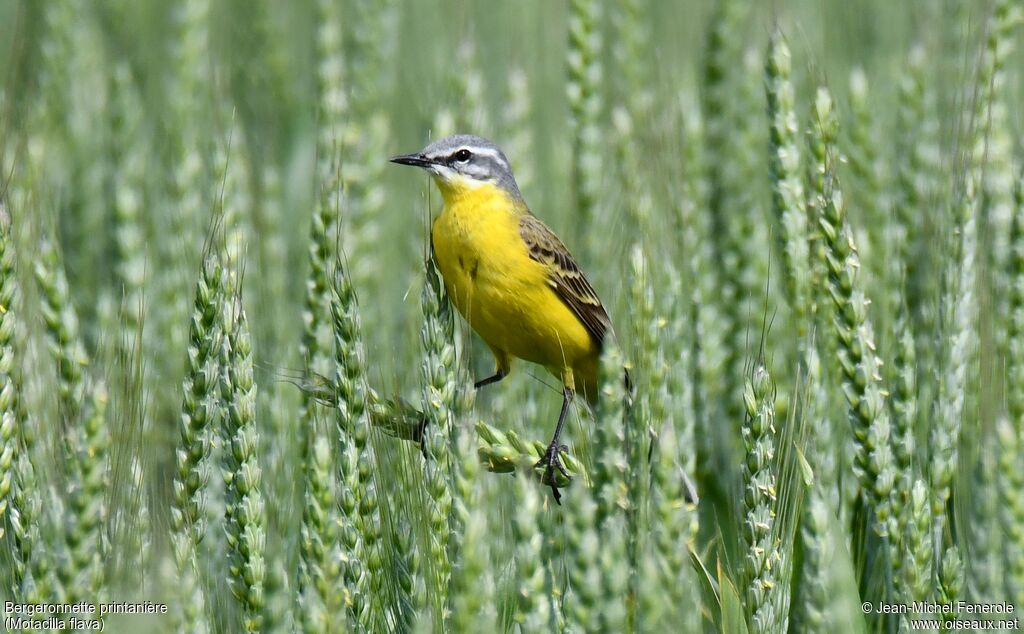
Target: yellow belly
<point x="502" y="293"/>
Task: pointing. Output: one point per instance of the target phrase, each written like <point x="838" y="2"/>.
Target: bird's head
<point x="464" y="162"/>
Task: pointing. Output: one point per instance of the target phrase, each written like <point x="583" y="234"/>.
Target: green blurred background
<point x="191" y="108"/>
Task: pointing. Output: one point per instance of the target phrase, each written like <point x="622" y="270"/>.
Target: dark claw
<point x="551" y="461"/>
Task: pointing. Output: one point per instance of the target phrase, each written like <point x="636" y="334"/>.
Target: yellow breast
<point x="502" y="293"/>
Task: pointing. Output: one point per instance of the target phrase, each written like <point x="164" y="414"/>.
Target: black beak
<point x="416" y="160"/>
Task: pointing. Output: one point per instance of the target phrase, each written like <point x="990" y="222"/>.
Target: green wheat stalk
<point x="630" y="52"/>
<point x="332" y="109"/>
<point x="724" y="55"/>
<point x="997" y="179"/>
<point x="192" y="54"/>
<point x="612" y="474"/>
<point x="130" y="526"/>
<point x="467" y="555"/>
<point x="233" y="176"/>
<point x="186" y="197"/>
<point x="312" y="592"/>
<point x="821" y="139"/>
<point x="188" y="611"/>
<point x="332" y="98"/>
<point x="961" y="355"/>
<point x="733" y="166"/>
<point x="821" y="379"/>
<point x="198" y="412"/>
<point x="373" y="47"/>
<point x="674" y="525"/>
<point x="672" y="509"/>
<point x="244" y="517"/>
<point x="585" y="105"/>
<point x="507" y="452"/>
<point x="647" y="406"/>
<point x="356" y="454"/>
<point x="818" y="609"/>
<point x="518" y="126"/>
<point x="918" y="551"/>
<point x="498" y="451"/>
<point x="473" y="587"/>
<point x="90" y="544"/>
<point x="324" y="550"/>
<point x="272" y="225"/>
<point x="320" y="599"/>
<point x="867" y="167"/>
<point x="675" y="518"/>
<point x="614" y="606"/>
<point x="531" y="611"/>
<point x="787" y="184"/>
<point x="16" y="472"/>
<point x="469" y="86"/>
<point x="750" y="231"/>
<point x="860" y="364"/>
<point x="917" y="164"/>
<point x="365" y="137"/>
<point x="904" y="404"/>
<point x="996" y="209"/>
<point x="762" y="560"/>
<point x="314" y="346"/>
<point x="77" y="98"/>
<point x="1012" y="432"/>
<point x="27" y="535"/>
<point x="278" y="404"/>
<point x="83" y="410"/>
<point x="584" y="545"/>
<point x="708" y="348"/>
<point x="411" y="595"/>
<point x="950" y="583"/>
<point x="62" y="326"/>
<point x="129" y="200"/>
<point x="632" y="177"/>
<point x="440" y="395"/>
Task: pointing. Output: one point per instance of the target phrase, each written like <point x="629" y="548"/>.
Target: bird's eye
<point x="462" y="155"/>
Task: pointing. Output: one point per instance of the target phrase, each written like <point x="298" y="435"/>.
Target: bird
<point x="510" y="277"/>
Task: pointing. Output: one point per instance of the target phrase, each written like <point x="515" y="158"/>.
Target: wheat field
<point x="234" y="396"/>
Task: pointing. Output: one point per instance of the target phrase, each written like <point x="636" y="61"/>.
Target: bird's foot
<point x="551" y="461"/>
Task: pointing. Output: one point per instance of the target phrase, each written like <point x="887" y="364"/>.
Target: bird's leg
<point x="550" y="460"/>
<point x="497" y="376"/>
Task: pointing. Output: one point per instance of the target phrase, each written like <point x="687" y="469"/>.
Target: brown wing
<point x="565" y="276"/>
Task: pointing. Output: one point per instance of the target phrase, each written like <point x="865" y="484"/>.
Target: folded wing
<point x="565" y="276"/>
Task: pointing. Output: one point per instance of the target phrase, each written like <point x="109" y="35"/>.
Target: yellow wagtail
<point x="509" y="276"/>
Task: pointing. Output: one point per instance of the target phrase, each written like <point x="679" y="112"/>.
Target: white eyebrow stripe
<point x="484" y="151"/>
<point x="491" y="152"/>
